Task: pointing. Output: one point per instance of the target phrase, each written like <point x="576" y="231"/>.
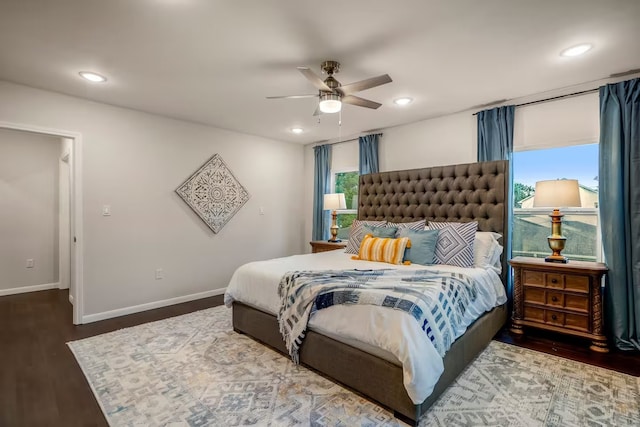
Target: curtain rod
<point x="539" y="101"/>
<point x="346" y="140"/>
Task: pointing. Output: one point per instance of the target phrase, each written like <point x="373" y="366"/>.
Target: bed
<point x="456" y="193"/>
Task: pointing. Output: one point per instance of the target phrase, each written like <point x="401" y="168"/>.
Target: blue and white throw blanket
<point x="437" y="300"/>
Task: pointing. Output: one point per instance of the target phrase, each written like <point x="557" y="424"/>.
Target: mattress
<point x="389" y="334"/>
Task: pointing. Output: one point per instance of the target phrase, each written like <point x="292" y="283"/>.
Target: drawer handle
<point x="554" y="317"/>
<point x="554" y="280"/>
<point x="554" y="299"/>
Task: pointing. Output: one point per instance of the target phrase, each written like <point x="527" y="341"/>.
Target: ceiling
<point x="214" y="62"/>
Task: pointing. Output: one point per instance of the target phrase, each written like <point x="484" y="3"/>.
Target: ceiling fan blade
<point x="314" y="79"/>
<point x="317" y="112"/>
<point x="360" y="102"/>
<point x="364" y="84"/>
<point x="315" y="95"/>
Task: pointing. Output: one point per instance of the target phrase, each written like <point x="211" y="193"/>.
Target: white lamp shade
<point x="557" y="193"/>
<point x="334" y="201"/>
<point x="330" y="103"/>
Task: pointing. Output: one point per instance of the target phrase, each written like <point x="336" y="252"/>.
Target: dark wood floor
<point x="627" y="362"/>
<point x="40" y="382"/>
<point x="42" y="385"/>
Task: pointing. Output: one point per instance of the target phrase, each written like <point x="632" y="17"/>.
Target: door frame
<point x="75" y="195"/>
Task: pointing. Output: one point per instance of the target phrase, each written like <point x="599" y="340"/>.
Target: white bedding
<point x="393" y="331"/>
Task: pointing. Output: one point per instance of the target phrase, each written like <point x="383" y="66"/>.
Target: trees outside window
<point x="347" y="182"/>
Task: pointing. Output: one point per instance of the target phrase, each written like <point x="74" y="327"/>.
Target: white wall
<point x="133" y="162"/>
<point x="444" y="140"/>
<point x="28" y="209"/>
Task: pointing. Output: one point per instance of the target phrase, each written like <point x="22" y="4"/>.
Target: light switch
<point x="261" y="210"/>
<point x="106" y="210"/>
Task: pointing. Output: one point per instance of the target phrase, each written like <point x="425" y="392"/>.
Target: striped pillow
<point x="383" y="249"/>
<point x="455" y="242"/>
<point x="357" y="233"/>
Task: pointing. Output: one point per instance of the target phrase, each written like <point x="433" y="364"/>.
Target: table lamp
<point x="333" y="202"/>
<point x="556" y="194"/>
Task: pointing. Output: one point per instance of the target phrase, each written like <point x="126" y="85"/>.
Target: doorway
<point x="69" y="224"/>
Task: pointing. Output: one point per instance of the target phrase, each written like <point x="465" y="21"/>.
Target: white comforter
<point x="393" y="331"/>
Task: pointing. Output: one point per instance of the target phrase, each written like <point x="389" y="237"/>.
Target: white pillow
<point x="487" y="251"/>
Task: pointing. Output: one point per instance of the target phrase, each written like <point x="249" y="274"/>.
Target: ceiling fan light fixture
<point x="330" y="103"/>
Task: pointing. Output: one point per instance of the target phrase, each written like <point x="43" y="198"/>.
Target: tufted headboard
<point x="458" y="193"/>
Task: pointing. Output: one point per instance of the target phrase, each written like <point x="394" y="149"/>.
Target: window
<point x="580" y="226"/>
<point x="346" y="182"/>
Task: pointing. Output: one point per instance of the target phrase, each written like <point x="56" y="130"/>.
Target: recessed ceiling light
<point x="92" y="77"/>
<point x="576" y="50"/>
<point x="402" y="101"/>
<point x="297" y="130"/>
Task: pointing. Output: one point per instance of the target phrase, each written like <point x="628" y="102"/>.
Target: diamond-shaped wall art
<point x="214" y="193"/>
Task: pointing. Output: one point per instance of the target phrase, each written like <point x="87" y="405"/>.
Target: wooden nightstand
<point x="323" y="246"/>
<point x="563" y="298"/>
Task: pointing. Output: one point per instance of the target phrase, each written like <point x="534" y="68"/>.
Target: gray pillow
<point x="423" y="245"/>
<point x="380" y="231"/>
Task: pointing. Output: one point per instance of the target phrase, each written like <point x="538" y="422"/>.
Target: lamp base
<point x="557" y="258"/>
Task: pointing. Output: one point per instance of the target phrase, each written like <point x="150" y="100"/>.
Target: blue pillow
<point x="380" y="231"/>
<point x="423" y="245"/>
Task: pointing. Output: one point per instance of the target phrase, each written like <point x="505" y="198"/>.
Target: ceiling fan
<point x="332" y="94"/>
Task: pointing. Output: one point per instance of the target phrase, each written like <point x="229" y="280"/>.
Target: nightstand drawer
<point x="554" y="318"/>
<point x="576" y="283"/>
<point x="541" y="315"/>
<point x="552" y="280"/>
<point x="555" y="299"/>
<point x="576" y="321"/>
<point x="534" y="314"/>
<point x="569" y="282"/>
<point x="533" y="277"/>
<point x="557" y="318"/>
<point x="551" y="298"/>
<point x="577" y="302"/>
<point x="534" y="295"/>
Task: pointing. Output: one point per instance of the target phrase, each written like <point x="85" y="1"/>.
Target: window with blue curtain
<point x="495" y="142"/>
<point x="321" y="186"/>
<point x="368" y="148"/>
<point x="619" y="194"/>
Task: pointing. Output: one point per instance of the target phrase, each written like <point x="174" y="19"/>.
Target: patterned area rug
<point x="193" y="370"/>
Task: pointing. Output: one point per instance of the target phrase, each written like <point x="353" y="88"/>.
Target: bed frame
<point x="456" y="193"/>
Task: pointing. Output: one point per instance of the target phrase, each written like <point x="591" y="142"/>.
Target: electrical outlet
<point x="159" y="274"/>
<point x="30" y="263"/>
<point x="106" y="210"/>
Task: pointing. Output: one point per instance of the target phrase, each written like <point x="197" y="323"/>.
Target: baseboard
<point x="25" y="289"/>
<point x="71" y="299"/>
<point x="90" y="318"/>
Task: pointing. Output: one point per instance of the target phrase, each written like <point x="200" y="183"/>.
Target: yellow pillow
<point x="383" y="249"/>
